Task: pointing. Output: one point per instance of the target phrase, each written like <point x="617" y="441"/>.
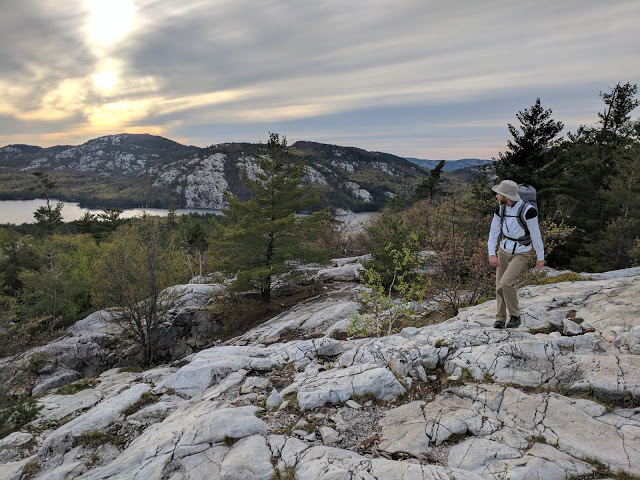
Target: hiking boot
<point x="513" y="322"/>
<point x="498" y="324"/>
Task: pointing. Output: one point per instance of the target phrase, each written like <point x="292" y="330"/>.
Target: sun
<point x="105" y="80"/>
<point x="109" y="20"/>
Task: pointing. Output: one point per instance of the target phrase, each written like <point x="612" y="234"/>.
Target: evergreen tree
<point x="47" y="217"/>
<point x="527" y="157"/>
<point x="60" y="288"/>
<point x="616" y="117"/>
<point x="431" y="186"/>
<point x="598" y="182"/>
<point x="266" y="235"/>
<point x="481" y="198"/>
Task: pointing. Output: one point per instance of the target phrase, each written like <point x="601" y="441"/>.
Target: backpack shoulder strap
<point x="501" y="211"/>
<point x="521" y="217"/>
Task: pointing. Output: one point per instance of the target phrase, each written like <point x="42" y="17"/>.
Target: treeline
<point x="55" y="273"/>
<point x="116" y="191"/>
<point x="590" y="180"/>
<point x="588" y="186"/>
<point x="588" y="183"/>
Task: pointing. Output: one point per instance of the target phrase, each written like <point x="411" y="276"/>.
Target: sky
<point x="415" y="78"/>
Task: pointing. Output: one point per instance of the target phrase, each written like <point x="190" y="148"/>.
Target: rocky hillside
<point x="557" y="398"/>
<point x="133" y="170"/>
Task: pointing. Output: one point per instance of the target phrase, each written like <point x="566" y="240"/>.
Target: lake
<point x="21" y="211"/>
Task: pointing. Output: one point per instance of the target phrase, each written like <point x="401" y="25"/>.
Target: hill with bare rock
<point x="144" y="170"/>
<point x="556" y="398"/>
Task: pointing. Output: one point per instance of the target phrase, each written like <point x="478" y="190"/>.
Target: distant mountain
<point x="451" y="165"/>
<point x="123" y="153"/>
<point x="145" y="170"/>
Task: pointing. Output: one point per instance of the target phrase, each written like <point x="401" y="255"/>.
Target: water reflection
<point x="21" y="211"/>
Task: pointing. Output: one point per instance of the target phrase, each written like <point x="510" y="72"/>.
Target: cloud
<point x="192" y="69"/>
<point x="41" y="46"/>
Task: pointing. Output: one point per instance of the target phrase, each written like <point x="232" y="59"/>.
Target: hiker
<point x="517" y="221"/>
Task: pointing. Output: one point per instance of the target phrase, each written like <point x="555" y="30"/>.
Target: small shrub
<point x="76" y="387"/>
<point x="16" y="413"/>
<point x="292" y="398"/>
<point x="111" y="342"/>
<point x="93" y="460"/>
<point x="289" y="473"/>
<point x="228" y="441"/>
<point x="146" y="398"/>
<point x="625" y="476"/>
<point x="602" y="470"/>
<point x="539" y="439"/>
<point x="36" y="361"/>
<point x="402" y="397"/>
<point x="30" y="469"/>
<point x="467" y="376"/>
<point x="92" y="438"/>
<point x="542" y="279"/>
<point x="378" y="309"/>
<point x="365" y="397"/>
<point x="456" y="438"/>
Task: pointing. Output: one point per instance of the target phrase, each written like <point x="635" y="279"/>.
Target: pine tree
<point x="597" y="179"/>
<point x="430" y="186"/>
<point x="266" y="235"/>
<point x="527" y="156"/>
<point x="49" y="218"/>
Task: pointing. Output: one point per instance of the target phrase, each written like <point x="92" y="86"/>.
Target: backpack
<point x="528" y="195"/>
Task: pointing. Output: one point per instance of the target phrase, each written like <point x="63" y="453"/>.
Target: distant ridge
<point x="133" y="170"/>
<point x="451" y="165"/>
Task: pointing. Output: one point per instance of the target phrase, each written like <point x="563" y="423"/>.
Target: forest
<point x="588" y="189"/>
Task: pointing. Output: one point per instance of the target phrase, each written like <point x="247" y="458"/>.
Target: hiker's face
<point x="501" y="199"/>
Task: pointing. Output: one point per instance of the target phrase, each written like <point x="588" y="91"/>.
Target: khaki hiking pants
<point x="506" y="291"/>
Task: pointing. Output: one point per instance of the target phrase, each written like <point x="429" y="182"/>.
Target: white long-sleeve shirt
<point x="511" y="228"/>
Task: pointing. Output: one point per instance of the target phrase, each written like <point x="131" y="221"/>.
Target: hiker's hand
<point x="539" y="265"/>
<point x="493" y="261"/>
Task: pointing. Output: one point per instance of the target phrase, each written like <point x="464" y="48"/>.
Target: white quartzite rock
<point x="200" y="428"/>
<point x="541" y="462"/>
<point x="254" y="383"/>
<point x="312" y="316"/>
<point x="338" y="385"/>
<point x="580" y="428"/>
<point x="274" y="399"/>
<point x="328" y="463"/>
<point x="56" y="407"/>
<point x="475" y="454"/>
<point x="249" y="459"/>
<point x="329" y="435"/>
<point x="98" y="418"/>
<point x="198" y="433"/>
<point x="209" y="367"/>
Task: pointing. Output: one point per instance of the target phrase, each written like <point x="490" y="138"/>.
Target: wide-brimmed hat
<point x="507" y="188"/>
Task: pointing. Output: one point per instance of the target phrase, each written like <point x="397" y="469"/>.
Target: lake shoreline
<point x="19" y="212"/>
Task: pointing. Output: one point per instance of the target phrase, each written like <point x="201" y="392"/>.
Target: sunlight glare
<point x="120" y="113"/>
<point x="110" y="19"/>
<point x="105" y="80"/>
